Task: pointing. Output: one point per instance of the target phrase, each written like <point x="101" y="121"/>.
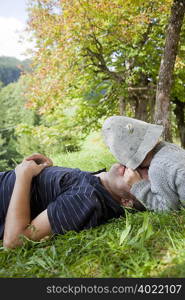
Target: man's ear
<point x="127" y="202"/>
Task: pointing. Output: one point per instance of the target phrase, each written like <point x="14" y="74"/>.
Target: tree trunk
<point x="121" y="105"/>
<point x="167" y="66"/>
<point x="179" y="112"/>
<point x="141" y="108"/>
<point x="151" y="108"/>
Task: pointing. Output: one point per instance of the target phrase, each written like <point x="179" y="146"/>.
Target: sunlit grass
<point x="93" y="156"/>
<point x="142" y="244"/>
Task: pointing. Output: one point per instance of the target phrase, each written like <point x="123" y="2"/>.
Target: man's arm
<point x="18" y="220"/>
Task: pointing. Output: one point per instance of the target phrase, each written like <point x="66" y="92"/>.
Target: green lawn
<point x="140" y="245"/>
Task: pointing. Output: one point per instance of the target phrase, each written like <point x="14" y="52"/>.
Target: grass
<point x="139" y="245"/>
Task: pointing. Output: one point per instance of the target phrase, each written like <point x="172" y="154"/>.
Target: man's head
<point x="114" y="181"/>
<point x="130" y="140"/>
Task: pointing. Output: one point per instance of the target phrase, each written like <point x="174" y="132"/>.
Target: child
<point x="136" y="145"/>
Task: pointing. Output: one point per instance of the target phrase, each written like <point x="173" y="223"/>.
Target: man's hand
<point x="40" y="159"/>
<point x="131" y="177"/>
<point x="29" y="169"/>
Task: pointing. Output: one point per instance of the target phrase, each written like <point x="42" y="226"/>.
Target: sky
<point x="13" y="39"/>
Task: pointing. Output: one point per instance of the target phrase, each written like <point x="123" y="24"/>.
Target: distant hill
<point x="11" y="69"/>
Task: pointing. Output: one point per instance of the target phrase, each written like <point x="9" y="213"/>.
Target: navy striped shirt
<point x="74" y="199"/>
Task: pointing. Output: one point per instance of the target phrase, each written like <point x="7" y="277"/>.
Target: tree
<point x="180" y="119"/>
<point x="98" y="58"/>
<point x="167" y="66"/>
<point x="85" y="45"/>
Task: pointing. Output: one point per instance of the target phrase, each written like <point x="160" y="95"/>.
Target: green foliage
<point x="23" y="131"/>
<point x="91" y="53"/>
<point x="93" y="155"/>
<point x="3" y="154"/>
<point x="12" y="111"/>
<point x="52" y="134"/>
<point x="11" y="68"/>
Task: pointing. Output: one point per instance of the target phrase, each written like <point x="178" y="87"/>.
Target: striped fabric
<point x="75" y="200"/>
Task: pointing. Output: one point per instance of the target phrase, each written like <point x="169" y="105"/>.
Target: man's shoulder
<point x="86" y="186"/>
<point x="83" y="186"/>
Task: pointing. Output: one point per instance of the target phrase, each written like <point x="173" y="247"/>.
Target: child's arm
<point x="159" y="193"/>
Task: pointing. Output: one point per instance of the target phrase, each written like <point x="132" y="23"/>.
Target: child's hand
<point x="131" y="177"/>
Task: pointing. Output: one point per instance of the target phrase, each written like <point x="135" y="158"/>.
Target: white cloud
<point x="13" y="40"/>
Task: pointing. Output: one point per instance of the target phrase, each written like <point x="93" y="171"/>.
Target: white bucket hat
<point x="130" y="140"/>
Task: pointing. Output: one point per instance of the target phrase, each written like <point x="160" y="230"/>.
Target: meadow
<point x="143" y="244"/>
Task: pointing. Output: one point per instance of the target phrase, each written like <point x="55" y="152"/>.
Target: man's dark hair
<point x="137" y="205"/>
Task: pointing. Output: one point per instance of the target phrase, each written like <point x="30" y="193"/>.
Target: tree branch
<point x="98" y="61"/>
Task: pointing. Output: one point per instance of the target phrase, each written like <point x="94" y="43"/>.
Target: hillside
<point x="11" y="69"/>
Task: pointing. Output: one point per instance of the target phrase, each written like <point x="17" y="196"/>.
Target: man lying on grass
<point x="136" y="145"/>
<point x="38" y="200"/>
